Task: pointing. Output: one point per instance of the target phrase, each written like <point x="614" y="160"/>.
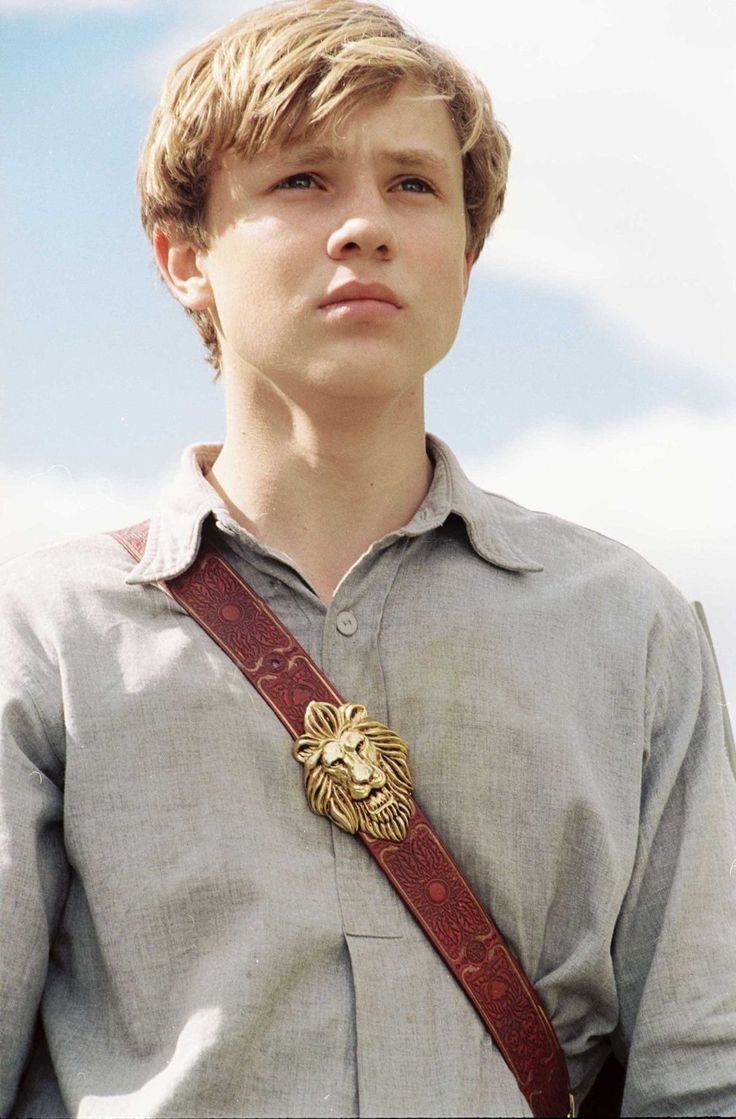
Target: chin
<point x="367" y="384"/>
<point x="370" y="372"/>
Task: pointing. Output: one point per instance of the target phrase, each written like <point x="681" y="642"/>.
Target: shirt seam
<point x="379" y="629"/>
<point x="653" y="693"/>
<point x="31" y="684"/>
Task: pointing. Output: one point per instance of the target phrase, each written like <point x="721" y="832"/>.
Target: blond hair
<point x="282" y="72"/>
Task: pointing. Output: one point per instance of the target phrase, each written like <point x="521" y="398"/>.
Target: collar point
<point x="140" y="574"/>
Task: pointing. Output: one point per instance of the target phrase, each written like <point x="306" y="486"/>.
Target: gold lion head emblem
<point x="356" y="771"/>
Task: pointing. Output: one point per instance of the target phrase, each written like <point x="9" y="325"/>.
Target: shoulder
<point x="583" y="564"/>
<point x="81" y="565"/>
<point x="612" y="603"/>
<point x="58" y="605"/>
<point x="62" y="588"/>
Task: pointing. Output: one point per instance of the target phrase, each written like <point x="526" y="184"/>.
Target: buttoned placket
<point x="350" y="658"/>
<point x="375" y="920"/>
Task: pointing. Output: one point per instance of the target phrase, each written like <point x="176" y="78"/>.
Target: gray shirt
<point x="199" y="943"/>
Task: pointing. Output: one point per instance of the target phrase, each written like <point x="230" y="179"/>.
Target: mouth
<point x="359" y="293"/>
<point x="379" y="802"/>
<point x="365" y="310"/>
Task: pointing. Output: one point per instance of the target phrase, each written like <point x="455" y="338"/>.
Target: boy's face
<point x="294" y="224"/>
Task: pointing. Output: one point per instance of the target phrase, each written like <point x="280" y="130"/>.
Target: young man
<point x="180" y="935"/>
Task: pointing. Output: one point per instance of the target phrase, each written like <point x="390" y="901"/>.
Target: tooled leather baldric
<point x="356" y="773"/>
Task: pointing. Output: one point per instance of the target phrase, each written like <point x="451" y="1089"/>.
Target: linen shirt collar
<point x="188" y="499"/>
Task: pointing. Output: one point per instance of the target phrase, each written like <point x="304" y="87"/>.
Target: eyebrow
<point x="325" y="153"/>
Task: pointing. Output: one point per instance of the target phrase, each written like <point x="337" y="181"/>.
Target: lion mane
<point x="385" y="812"/>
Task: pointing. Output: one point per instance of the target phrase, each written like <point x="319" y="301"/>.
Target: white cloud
<point x="622" y="178"/>
<point x="41" y="508"/>
<point x="662" y="483"/>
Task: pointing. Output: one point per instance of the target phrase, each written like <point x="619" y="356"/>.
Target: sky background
<point x="594" y="375"/>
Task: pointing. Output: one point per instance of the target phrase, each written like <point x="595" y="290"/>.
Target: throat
<point x="317" y="511"/>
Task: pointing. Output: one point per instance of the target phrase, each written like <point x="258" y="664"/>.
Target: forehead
<point x="405" y="110"/>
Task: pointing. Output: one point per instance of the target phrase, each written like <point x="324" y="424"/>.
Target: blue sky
<point x="594" y="371"/>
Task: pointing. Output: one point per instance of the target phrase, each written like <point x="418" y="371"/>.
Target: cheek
<point x="338" y="777"/>
<point x="445" y="291"/>
<point x="443" y="264"/>
<point x="251" y="272"/>
<point x="370" y="755"/>
<point x="441" y="311"/>
<point x="251" y="302"/>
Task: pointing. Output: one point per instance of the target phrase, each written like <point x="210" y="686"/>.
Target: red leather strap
<point x="419" y="867"/>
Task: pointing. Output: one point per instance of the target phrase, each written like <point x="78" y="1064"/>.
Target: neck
<point x="322" y="486"/>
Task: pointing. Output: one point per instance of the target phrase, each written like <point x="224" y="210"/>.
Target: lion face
<point x="356" y="771"/>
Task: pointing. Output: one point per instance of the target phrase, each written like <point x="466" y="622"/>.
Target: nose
<point x="360" y="772"/>
<point x="365" y="231"/>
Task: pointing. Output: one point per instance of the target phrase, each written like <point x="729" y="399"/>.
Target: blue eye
<point x="425" y="187"/>
<point x="303" y="180"/>
<point x="288" y="183"/>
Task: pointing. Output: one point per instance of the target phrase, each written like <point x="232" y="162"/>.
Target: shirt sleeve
<point x="674" y="949"/>
<point x="33" y="867"/>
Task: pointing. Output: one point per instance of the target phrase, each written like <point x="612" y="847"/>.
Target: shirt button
<point x="346" y="623"/>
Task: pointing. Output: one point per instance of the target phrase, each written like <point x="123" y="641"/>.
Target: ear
<point x="184" y="270"/>
<point x="303" y="751"/>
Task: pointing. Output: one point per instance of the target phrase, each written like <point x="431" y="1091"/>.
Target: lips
<point x="354" y="292"/>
